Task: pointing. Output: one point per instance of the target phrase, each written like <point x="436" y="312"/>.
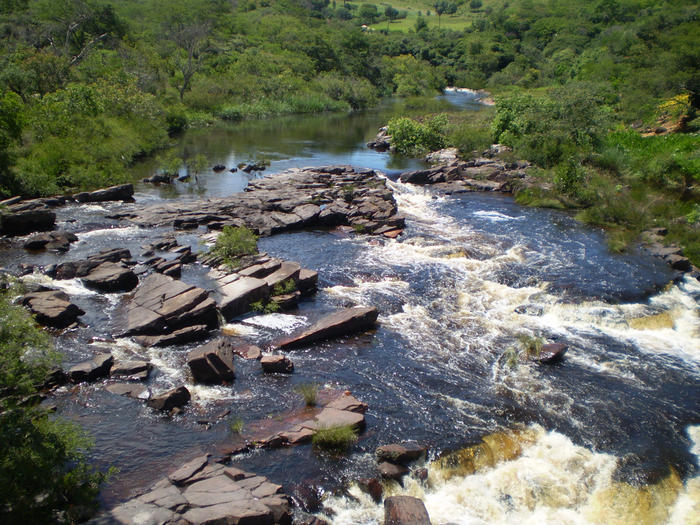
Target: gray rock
<point x="58" y="241"/>
<point x="131" y="369"/>
<point x="123" y="192"/>
<point x="342" y="322"/>
<point x="111" y="277"/>
<point x="133" y="390"/>
<point x="92" y="369"/>
<point x="188" y="334"/>
<point x="235" y="298"/>
<point x="27" y="221"/>
<point x="307" y="282"/>
<point x="212" y="363"/>
<point x="405" y="510"/>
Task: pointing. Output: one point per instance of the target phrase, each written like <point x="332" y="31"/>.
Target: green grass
<point x="336" y="439"/>
<point x="234" y="242"/>
<point x="236" y="425"/>
<point x="309" y="392"/>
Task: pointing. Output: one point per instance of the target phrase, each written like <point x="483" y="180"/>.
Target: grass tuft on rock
<point x="309" y="392"/>
<point x="337" y="439"/>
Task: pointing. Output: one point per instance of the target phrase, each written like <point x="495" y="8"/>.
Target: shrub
<point x="284" y="287"/>
<point x="308" y="391"/>
<point x="234" y="242"/>
<point x="43" y="471"/>
<point x="336" y="439"/>
<point x="411" y="137"/>
<point x="236" y="425"/>
<point x="531" y="345"/>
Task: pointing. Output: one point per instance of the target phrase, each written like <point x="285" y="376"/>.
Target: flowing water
<point x="610" y="435"/>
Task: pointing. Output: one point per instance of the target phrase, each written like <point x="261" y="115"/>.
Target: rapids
<point x="610" y="435"/>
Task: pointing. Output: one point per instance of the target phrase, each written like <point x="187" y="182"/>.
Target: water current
<point x="609" y="435"/>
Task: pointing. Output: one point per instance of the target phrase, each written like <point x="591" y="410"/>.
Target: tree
<point x="10" y="133"/>
<point x="368" y="13"/>
<point x="444" y="6"/>
<point x="391" y="14"/>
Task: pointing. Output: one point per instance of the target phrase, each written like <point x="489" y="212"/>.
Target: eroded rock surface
<point x="201" y="492"/>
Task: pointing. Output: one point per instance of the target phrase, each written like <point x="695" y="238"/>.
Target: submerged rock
<point x="138" y="370"/>
<point x="277" y="364"/>
<point x="342" y="322"/>
<point x="400" y="453"/>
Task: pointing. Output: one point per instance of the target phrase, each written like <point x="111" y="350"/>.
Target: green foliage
<point x="411" y="137"/>
<point x="269" y="307"/>
<point x="43" y="472"/>
<point x="336" y="439"/>
<point x="234" y="242"/>
<point x="284" y="287"/>
<point x="308" y="391"/>
<point x="531" y="345"/>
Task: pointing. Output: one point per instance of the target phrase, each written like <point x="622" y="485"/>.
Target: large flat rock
<point x="162" y="305"/>
<point x="236" y="297"/>
<point x="337" y="324"/>
<point x="52" y="308"/>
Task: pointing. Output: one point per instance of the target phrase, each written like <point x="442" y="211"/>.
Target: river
<point x="610" y="435"/>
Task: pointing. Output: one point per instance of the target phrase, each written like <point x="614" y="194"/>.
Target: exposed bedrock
<point x="324" y="196"/>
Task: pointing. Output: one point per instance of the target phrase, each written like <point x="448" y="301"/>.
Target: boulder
<point x="123" y="192"/>
<point x="73" y="269"/>
<point x="391" y="470"/>
<point x="58" y="241"/>
<point x="52" y="308"/>
<point x="92" y="369"/>
<point x="405" y="510"/>
<point x="307" y="282"/>
<point x="161" y="305"/>
<point x="219" y="167"/>
<point x="111" y="277"/>
<point x="247" y="351"/>
<point x="678" y="262"/>
<point x="400" y="453"/>
<point x="373" y="487"/>
<point x="158" y="178"/>
<point x="277" y="364"/>
<point x="27" y="221"/>
<point x="167" y="401"/>
<point x="212" y="363"/>
<point x="287" y="271"/>
<point x="443" y="156"/>
<point x="551" y="353"/>
<point x="342" y="322"/>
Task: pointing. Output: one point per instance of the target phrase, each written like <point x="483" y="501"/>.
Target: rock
<point x="678" y="262"/>
<point x="212" y="363"/>
<point x="189" y="469"/>
<point x="161" y="305"/>
<point x="167" y="401"/>
<point x="133" y="390"/>
<point x="28" y="221"/>
<point x="405" y="510"/>
<point x="52" y="308"/>
<point x="134" y="512"/>
<point x="73" y="269"/>
<point x="111" y="277"/>
<point x="307" y="282"/>
<point x="235" y="298"/>
<point x="123" y="192"/>
<point x="58" y="241"/>
<point x="287" y="271"/>
<point x="443" y="156"/>
<point x="382" y="141"/>
<point x="252" y="166"/>
<point x="342" y="322"/>
<point x="400" y="453"/>
<point x="373" y="487"/>
<point x="158" y="178"/>
<point x="247" y="351"/>
<point x="391" y="470"/>
<point x="55" y="378"/>
<point x="392" y="234"/>
<point x="131" y="369"/>
<point x="276" y="364"/>
<point x="332" y="417"/>
<point x="551" y="353"/>
<point x="219" y="167"/>
<point x="92" y="369"/>
<point x="178" y="337"/>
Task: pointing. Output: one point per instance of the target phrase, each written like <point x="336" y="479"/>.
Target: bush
<point x="43" y="472"/>
<point x="335" y="439"/>
<point x="411" y="137"/>
<point x="234" y="242"/>
<point x="284" y="287"/>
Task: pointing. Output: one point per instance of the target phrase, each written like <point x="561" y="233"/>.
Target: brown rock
<point x="247" y="351"/>
<point x="235" y="298"/>
<point x="52" y="308"/>
<point x="212" y="363"/>
<point x="551" y="353"/>
<point x="391" y="470"/>
<point x="111" y="277"/>
<point x="134" y="390"/>
<point x="373" y="487"/>
<point x="166" y="401"/>
<point x="92" y="369"/>
<point x="178" y="337"/>
<point x="342" y="322"/>
<point x="132" y="369"/>
<point x="400" y="453"/>
<point x="405" y="510"/>
<point x="276" y="364"/>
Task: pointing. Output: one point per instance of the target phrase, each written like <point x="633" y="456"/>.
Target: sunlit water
<point x="610" y="430"/>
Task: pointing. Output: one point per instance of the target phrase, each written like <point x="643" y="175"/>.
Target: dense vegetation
<point x="43" y="473"/>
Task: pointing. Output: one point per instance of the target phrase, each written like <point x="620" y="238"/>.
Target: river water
<point x="610" y="435"/>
